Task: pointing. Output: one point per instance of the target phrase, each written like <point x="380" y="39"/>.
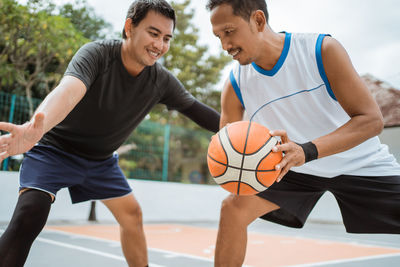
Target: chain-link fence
<point x="153" y="151"/>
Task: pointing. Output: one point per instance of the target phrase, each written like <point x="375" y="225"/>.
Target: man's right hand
<point x="20" y="138"/>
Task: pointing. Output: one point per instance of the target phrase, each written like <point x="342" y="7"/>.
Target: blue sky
<point x="368" y="29"/>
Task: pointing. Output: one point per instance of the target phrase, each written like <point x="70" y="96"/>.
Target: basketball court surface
<point x="192" y="245"/>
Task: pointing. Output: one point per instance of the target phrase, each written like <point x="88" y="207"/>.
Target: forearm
<point x="203" y="115"/>
<point x="60" y="102"/>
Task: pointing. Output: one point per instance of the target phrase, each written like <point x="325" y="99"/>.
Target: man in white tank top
<point x="304" y="88"/>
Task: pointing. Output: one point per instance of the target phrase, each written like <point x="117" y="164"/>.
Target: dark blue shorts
<point x="49" y="169"/>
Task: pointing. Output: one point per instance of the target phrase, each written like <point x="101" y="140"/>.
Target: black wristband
<point x="310" y="151"/>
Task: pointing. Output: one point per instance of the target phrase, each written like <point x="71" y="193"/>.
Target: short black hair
<point x="138" y="10"/>
<point x="242" y="8"/>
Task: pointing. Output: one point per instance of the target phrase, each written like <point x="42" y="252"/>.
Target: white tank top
<point x="296" y="96"/>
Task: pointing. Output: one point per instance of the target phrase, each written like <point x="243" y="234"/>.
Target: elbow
<point x="377" y="125"/>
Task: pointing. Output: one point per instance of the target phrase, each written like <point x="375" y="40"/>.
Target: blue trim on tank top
<point x="236" y="86"/>
<point x="320" y="64"/>
<point x="281" y="60"/>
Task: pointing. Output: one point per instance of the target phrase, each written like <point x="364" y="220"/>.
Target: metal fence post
<point x="167" y="132"/>
<point x="10" y="119"/>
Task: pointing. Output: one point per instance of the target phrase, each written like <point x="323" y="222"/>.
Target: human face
<point x="238" y="36"/>
<point x="150" y="40"/>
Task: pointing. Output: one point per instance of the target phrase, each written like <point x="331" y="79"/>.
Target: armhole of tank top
<point x="236" y="87"/>
<point x="320" y="64"/>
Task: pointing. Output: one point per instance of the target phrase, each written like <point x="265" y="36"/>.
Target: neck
<point x="271" y="46"/>
<point x="129" y="62"/>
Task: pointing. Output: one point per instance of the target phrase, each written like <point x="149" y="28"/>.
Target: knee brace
<point x="30" y="216"/>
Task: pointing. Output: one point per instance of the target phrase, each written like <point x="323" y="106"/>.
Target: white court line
<point x="169" y="253"/>
<point x="346" y="260"/>
<point x="104" y="254"/>
<point x="177" y="254"/>
<point x="88" y="250"/>
<point x="92" y="251"/>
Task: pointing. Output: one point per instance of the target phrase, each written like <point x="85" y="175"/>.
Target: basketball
<point x="240" y="158"/>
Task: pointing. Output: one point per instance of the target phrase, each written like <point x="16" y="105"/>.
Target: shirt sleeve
<point x="85" y="64"/>
<point x="175" y="96"/>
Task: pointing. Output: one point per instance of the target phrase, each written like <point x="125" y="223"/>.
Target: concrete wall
<point x="160" y="201"/>
<point x="391" y="137"/>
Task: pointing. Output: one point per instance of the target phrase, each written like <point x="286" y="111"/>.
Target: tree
<point x="36" y="47"/>
<point x="85" y="20"/>
<point x="192" y="64"/>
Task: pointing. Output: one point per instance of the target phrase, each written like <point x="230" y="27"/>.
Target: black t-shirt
<point x="115" y="101"/>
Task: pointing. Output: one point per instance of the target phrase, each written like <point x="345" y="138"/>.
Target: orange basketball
<point x="241" y="160"/>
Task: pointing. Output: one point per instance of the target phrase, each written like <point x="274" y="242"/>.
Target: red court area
<point x="262" y="249"/>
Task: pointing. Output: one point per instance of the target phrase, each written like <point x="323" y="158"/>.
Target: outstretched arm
<point x="203" y="115"/>
<point x="210" y="119"/>
<point x="54" y="108"/>
<point x="353" y="95"/>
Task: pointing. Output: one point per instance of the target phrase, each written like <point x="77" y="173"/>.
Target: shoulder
<point x="102" y="47"/>
<point x="160" y="69"/>
<point x="161" y="74"/>
<point x="310" y="42"/>
<point x="329" y="43"/>
<point x="332" y="50"/>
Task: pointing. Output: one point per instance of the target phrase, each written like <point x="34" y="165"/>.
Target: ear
<point x="128" y="27"/>
<point x="259" y="19"/>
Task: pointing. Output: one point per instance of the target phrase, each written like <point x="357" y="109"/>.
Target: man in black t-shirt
<point x="107" y="90"/>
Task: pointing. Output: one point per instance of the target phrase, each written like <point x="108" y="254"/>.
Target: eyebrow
<point x="157" y="30"/>
<point x="225" y="27"/>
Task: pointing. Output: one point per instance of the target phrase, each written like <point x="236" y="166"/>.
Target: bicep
<point x="72" y="88"/>
<point x="348" y="87"/>
<point x="231" y="107"/>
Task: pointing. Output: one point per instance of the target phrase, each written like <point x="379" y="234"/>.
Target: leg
<point x="30" y="216"/>
<point x="127" y="212"/>
<point x="237" y="212"/>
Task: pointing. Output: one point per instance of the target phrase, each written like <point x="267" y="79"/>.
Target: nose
<point x="159" y="44"/>
<point x="226" y="44"/>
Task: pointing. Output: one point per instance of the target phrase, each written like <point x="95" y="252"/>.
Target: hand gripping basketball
<point x="241" y="160"/>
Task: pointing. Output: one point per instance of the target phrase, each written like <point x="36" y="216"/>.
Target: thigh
<point x="49" y="169"/>
<point x="245" y="209"/>
<point x="369" y="204"/>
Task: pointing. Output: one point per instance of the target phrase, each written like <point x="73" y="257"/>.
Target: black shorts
<point x="367" y="204"/>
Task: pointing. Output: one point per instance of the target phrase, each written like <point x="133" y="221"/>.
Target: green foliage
<point x="192" y="64"/>
<point x="35" y="47"/>
<point x="85" y="20"/>
<point x="37" y="41"/>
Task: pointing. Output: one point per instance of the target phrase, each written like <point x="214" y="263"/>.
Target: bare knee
<point x="232" y="211"/>
<point x="132" y="217"/>
<point x="244" y="209"/>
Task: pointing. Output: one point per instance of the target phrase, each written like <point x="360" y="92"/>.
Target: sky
<point x="368" y="29"/>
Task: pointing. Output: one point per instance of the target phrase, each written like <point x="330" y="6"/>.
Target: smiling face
<point x="148" y="41"/>
<point x="238" y="36"/>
